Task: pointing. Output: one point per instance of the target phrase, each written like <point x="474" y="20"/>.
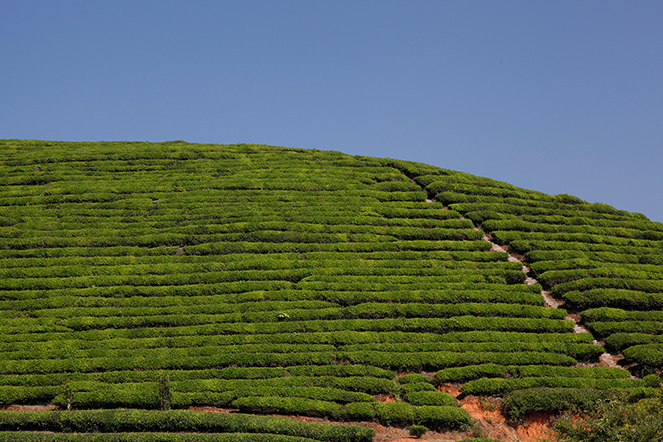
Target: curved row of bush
<point x="18" y="436"/>
<point x="552" y="400"/>
<point x="390" y="413"/>
<point x="499" y="386"/>
<point x="617" y="298"/>
<point x="115" y="421"/>
<point x="226" y="248"/>
<point x="577" y="351"/>
<point x="472" y="372"/>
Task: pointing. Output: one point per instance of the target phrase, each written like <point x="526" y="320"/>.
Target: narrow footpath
<point x="606" y="358"/>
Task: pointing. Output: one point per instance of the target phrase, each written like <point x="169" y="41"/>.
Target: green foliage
<point x="430" y="398"/>
<point x="147" y="437"/>
<point x="520" y="402"/>
<point x="115" y="421"/>
<point x="412" y="378"/>
<point x="615" y="421"/>
<point x="164" y="395"/>
<point x="417" y="430"/>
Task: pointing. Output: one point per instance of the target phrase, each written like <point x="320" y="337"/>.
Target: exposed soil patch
<point x="214" y="409"/>
<point x="550" y="301"/>
<point x="493" y="424"/>
<point x="14" y="407"/>
<point x="609" y="360"/>
<point x="452" y="389"/>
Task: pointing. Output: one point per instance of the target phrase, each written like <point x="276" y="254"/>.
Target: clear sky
<point x="557" y="96"/>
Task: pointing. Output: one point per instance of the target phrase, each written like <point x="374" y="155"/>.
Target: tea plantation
<point x="139" y="281"/>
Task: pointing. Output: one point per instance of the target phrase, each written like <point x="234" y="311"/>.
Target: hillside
<point x="265" y="280"/>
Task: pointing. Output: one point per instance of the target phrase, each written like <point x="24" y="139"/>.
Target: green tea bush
<point x="619" y="341"/>
<point x="605" y="329"/>
<point x="470" y="372"/>
<point x="112" y="421"/>
<point x="499" y="387"/>
<point x="520" y="402"/>
<point x="437" y="398"/>
<point x="617" y="298"/>
<point x="287" y="405"/>
<point x="147" y="437"/>
<point x="412" y="378"/>
<point x="649" y="355"/>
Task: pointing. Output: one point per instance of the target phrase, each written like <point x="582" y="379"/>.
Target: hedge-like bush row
<point x="428" y="325"/>
<point x="221" y="248"/>
<point x="413" y="309"/>
<point x="17" y="436"/>
<point x="86" y="395"/>
<point x="604" y="329"/>
<point x="567" y="207"/>
<point x="497" y="336"/>
<point x="641" y="285"/>
<point x="617" y="298"/>
<point x="156" y="297"/>
<point x="363" y="384"/>
<point x="412" y="378"/>
<point x="629" y="270"/>
<point x="552" y="400"/>
<point x="228" y="373"/>
<point x="609" y="314"/>
<point x="650" y="355"/>
<point x="555" y="277"/>
<point x="288" y="405"/>
<point x="309" y="313"/>
<point x="130" y="291"/>
<point x="437" y="398"/>
<point x="499" y="386"/>
<point x="61" y="266"/>
<point x="524" y="246"/>
<point x="555" y="205"/>
<point x="403" y="213"/>
<point x="498" y="294"/>
<point x="115" y="421"/>
<point x="619" y="341"/>
<point x="226" y="248"/>
<point x="196" y="336"/>
<point x="469" y="373"/>
<point x="319" y="393"/>
<point x="293" y="275"/>
<point x="65" y="307"/>
<point x="238" y="269"/>
<point x="384" y="359"/>
<point x="525" y="226"/>
<point x="21" y="394"/>
<point x="555" y="256"/>
<point x="416" y="387"/>
<point x="165" y="362"/>
<point x="433" y="417"/>
<point x="571" y="218"/>
<point x="446" y="186"/>
<point x="578" y="351"/>
<point x="508" y="237"/>
<point x="346" y="234"/>
<point x="431" y="361"/>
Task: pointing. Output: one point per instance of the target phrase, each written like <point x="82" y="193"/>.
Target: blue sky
<point x="557" y="96"/>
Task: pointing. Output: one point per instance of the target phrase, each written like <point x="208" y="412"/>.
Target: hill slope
<point x="302" y="282"/>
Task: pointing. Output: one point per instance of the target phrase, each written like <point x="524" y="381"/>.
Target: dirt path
<point x="606" y="359"/>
